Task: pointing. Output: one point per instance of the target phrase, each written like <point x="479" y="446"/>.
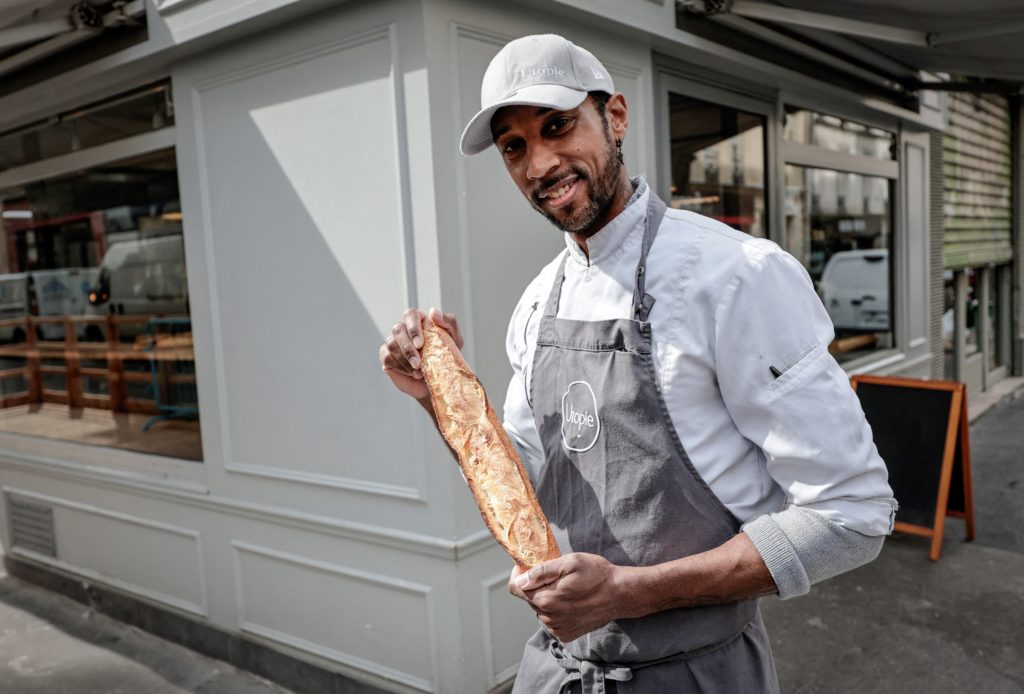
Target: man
<point x="690" y="438"/>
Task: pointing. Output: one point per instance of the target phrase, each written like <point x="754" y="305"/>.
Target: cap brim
<point x="477" y="135"/>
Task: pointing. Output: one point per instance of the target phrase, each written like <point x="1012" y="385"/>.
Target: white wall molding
<point x="200" y="608"/>
<point x="232" y="461"/>
<point x="494" y="679"/>
<point x="456" y="31"/>
<point x="94" y="463"/>
<point x="395" y="491"/>
<point x="297" y="57"/>
<point x="166" y="7"/>
<point x="419" y="591"/>
<point x="428" y="545"/>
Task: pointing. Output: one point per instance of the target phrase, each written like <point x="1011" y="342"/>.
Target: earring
<point x="618" y="143"/>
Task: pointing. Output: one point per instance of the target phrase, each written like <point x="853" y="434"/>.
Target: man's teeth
<point x="558" y="192"/>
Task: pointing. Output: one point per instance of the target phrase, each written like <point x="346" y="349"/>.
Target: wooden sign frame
<point x="957" y="431"/>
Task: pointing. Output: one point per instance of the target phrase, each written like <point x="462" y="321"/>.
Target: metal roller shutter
<point x="977" y="172"/>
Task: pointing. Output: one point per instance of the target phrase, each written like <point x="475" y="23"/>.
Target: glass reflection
<point x="142" y="111"/>
<point x="838" y="225"/>
<point x="838" y="134"/>
<point x="718" y="162"/>
<point x="95" y="334"/>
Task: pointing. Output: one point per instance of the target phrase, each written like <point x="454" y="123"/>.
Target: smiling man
<point x="690" y="438"/>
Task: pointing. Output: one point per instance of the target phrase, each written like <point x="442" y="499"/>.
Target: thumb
<point x="540" y="575"/>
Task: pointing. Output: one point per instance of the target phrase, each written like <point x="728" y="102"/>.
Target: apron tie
<point x="590" y="674"/>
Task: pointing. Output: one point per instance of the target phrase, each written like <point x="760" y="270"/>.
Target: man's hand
<point x="400" y="353"/>
<point x="574" y="594"/>
<point x="578" y="593"/>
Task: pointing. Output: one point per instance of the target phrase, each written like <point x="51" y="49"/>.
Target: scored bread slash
<point x="492" y="467"/>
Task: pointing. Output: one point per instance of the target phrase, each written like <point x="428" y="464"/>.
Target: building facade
<point x="214" y="212"/>
<point x="978" y="239"/>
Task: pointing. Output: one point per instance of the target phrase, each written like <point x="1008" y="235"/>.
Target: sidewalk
<point x="50" y="644"/>
<point x="906" y="625"/>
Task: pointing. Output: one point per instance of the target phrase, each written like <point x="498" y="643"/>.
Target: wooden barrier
<point x="71" y="351"/>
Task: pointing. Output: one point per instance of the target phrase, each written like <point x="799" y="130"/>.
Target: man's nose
<point x="542" y="161"/>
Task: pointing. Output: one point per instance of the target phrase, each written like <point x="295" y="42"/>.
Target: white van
<point x="142" y="277"/>
<point x="855" y="289"/>
<point x="56" y="292"/>
<point x="62" y="292"/>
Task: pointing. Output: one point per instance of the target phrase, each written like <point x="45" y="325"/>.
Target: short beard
<point x="602" y="194"/>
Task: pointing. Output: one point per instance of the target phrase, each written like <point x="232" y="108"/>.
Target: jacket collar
<point x="607" y="242"/>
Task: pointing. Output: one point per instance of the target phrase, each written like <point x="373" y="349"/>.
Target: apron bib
<point x="617" y="482"/>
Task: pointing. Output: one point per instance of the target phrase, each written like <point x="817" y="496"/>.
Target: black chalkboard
<point x="920" y="429"/>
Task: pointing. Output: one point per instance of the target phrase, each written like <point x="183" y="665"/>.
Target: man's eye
<point x="557" y="124"/>
<point x="512" y="147"/>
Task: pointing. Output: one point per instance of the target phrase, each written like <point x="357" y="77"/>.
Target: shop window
<point x="962" y="287"/>
<point x="838" y="134"/>
<point x="978" y="345"/>
<point x="718" y="162"/>
<point x="115" y="119"/>
<point x="95" y="334"/>
<point x="839" y="225"/>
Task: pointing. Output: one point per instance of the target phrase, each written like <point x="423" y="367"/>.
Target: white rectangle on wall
<point x="301" y="158"/>
<point x="507" y="621"/>
<point x="918" y="275"/>
<point x="155" y="560"/>
<point x="354" y="617"/>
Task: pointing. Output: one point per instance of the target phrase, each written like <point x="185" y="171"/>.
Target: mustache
<point x="552" y="182"/>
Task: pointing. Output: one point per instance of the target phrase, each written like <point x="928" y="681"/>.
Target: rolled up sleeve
<point x="807" y="420"/>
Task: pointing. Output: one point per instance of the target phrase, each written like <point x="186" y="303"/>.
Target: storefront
<point x="978" y="240"/>
<point x="213" y="213"/>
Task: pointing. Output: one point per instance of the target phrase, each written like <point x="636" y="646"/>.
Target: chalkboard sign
<point x="921" y="431"/>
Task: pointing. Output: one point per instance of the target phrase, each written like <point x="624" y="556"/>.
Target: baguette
<point x="489" y="462"/>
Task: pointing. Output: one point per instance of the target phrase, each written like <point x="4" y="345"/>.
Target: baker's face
<point x="565" y="163"/>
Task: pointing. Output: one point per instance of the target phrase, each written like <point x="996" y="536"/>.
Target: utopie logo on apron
<point x="580" y="423"/>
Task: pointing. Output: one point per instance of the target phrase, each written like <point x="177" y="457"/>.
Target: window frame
<point x="813" y="156"/>
<point x="771" y="102"/>
<point x="669" y="82"/>
<point x="136" y="145"/>
<point x="71" y="458"/>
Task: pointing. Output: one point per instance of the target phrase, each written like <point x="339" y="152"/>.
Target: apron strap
<point x="551" y="307"/>
<point x="642" y="301"/>
<point x="592" y="674"/>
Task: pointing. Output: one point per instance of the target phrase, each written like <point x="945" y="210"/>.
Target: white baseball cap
<point x="544" y="70"/>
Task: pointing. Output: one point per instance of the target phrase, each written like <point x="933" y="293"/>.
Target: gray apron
<point x="617" y="482"/>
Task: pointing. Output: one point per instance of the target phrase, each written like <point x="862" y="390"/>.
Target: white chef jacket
<point x="728" y="308"/>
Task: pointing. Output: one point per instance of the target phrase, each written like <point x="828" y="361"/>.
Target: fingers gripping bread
<point x="488" y="460"/>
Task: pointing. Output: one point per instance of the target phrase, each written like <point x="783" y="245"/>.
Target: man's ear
<point x="617" y="114"/>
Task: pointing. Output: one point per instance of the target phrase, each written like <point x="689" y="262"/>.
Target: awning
<point x="982" y="39"/>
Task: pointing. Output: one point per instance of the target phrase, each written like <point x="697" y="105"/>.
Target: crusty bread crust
<point x="492" y="468"/>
